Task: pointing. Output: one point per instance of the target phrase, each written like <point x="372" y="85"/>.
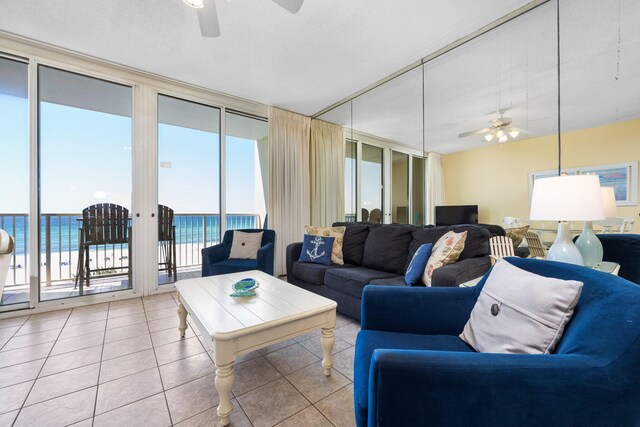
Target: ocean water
<point x="64" y="230"/>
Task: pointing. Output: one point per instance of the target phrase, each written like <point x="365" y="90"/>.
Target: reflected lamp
<point x="566" y="198"/>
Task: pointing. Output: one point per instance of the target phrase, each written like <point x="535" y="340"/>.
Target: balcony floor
<point x="65" y="288"/>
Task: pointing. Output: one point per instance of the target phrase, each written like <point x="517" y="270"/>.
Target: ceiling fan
<point x="499" y="129"/>
<point x="208" y="17"/>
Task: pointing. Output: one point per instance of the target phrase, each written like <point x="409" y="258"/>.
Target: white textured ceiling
<point x="513" y="68"/>
<point x="302" y="62"/>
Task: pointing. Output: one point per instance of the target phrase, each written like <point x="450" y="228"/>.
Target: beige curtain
<point x="326" y="152"/>
<point x="435" y="186"/>
<point x="288" y="180"/>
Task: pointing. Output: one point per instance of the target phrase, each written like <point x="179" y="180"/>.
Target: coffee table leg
<point x="182" y="314"/>
<point x="224" y="382"/>
<point x="327" y="348"/>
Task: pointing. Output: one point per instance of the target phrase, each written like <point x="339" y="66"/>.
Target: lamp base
<point x="589" y="246"/>
<point x="563" y="249"/>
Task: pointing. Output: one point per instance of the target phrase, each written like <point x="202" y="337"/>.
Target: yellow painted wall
<point x="496" y="177"/>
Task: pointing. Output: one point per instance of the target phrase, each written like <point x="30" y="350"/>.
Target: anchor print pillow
<point x="316" y="249"/>
<point x="335" y="232"/>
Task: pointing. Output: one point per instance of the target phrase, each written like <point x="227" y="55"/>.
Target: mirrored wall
<point x="489" y="114"/>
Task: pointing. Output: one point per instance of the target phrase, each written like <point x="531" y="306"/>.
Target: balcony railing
<point x="59" y="243"/>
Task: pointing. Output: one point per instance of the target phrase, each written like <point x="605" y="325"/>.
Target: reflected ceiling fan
<point x="499" y="129"/>
<point x="208" y="17"/>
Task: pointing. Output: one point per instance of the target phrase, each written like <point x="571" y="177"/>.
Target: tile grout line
<point x="104" y="336"/>
<point x="41" y="368"/>
<point x="164" y="394"/>
<point x="14" y="334"/>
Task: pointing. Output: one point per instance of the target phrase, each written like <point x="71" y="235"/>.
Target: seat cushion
<point x="394" y="281"/>
<point x="314" y="273"/>
<point x="351" y="281"/>
<point x="387" y="247"/>
<point x="368" y="341"/>
<point x="233" y="265"/>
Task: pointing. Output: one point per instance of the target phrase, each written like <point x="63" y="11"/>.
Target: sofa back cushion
<point x="477" y="243"/>
<point x="353" y="241"/>
<point x="387" y="247"/>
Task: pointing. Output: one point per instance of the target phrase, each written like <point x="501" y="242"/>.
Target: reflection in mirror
<point x="491" y="111"/>
<point x="372" y="184"/>
<point x="400" y="188"/>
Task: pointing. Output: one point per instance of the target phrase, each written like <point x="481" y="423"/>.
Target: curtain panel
<point x="326" y="152"/>
<point x="435" y="186"/>
<point x="288" y="180"/>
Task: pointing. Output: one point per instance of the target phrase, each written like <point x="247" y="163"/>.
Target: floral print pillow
<point x="337" y="233"/>
<point x="517" y="234"/>
<point x="447" y="250"/>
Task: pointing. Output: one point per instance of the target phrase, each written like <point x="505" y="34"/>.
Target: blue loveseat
<point x="412" y="369"/>
<point x="215" y="259"/>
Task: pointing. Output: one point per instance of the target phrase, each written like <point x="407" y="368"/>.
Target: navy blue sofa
<point x="215" y="259"/>
<point x="625" y="250"/>
<point x="379" y="255"/>
<point x="412" y="369"/>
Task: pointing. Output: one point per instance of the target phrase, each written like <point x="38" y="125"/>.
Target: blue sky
<point x="86" y="159"/>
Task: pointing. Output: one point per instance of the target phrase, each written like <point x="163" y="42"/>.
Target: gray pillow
<point x="245" y="245"/>
<point x="520" y="312"/>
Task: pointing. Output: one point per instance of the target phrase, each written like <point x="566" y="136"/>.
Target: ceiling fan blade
<point x="474" y="132"/>
<point x="208" y="19"/>
<point x="292" y="6"/>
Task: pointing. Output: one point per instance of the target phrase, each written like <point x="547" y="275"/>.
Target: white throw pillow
<point x="520" y="312"/>
<point x="245" y="245"/>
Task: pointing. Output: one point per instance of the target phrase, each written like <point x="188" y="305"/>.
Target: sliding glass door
<point x="372" y="184"/>
<point x="14" y="183"/>
<point x="188" y="185"/>
<point x="85" y="143"/>
<point x="399" y="187"/>
<point x="246" y="171"/>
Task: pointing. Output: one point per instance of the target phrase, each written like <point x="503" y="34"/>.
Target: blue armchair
<point x="215" y="259"/>
<point x="412" y="369"/>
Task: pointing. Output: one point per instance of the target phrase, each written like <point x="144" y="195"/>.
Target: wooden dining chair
<point x="500" y="247"/>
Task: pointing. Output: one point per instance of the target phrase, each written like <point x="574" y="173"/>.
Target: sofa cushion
<point x="233" y="265"/>
<point x="353" y="243"/>
<point x="337" y="233"/>
<point x="314" y="273"/>
<point x="387" y="247"/>
<point x="394" y="281"/>
<point x="476" y="244"/>
<point x="368" y="341"/>
<point x="351" y="281"/>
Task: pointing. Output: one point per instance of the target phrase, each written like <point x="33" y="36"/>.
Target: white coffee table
<point x="233" y="326"/>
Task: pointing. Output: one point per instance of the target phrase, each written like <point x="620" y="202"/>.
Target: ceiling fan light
<point x="488" y="137"/>
<point x="514" y="133"/>
<point x="500" y="134"/>
<point x="196" y="4"/>
<point x="503" y="138"/>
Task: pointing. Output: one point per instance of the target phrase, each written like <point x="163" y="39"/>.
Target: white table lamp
<point x="588" y="243"/>
<point x="566" y="198"/>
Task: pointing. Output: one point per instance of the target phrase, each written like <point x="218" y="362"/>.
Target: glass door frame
<point x="388" y="147"/>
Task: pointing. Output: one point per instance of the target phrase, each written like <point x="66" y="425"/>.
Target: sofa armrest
<point x="293" y="253"/>
<point x="417" y="310"/>
<point x="265" y="258"/>
<point x="449" y="388"/>
<point x="212" y="255"/>
<point x="461" y="271"/>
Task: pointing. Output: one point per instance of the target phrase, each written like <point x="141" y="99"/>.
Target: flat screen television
<point x="452" y="215"/>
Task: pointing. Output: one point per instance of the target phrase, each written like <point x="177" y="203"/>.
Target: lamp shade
<point x="567" y="198"/>
<point x="609" y="202"/>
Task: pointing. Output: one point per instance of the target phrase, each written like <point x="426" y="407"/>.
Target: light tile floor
<point x="123" y="364"/>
